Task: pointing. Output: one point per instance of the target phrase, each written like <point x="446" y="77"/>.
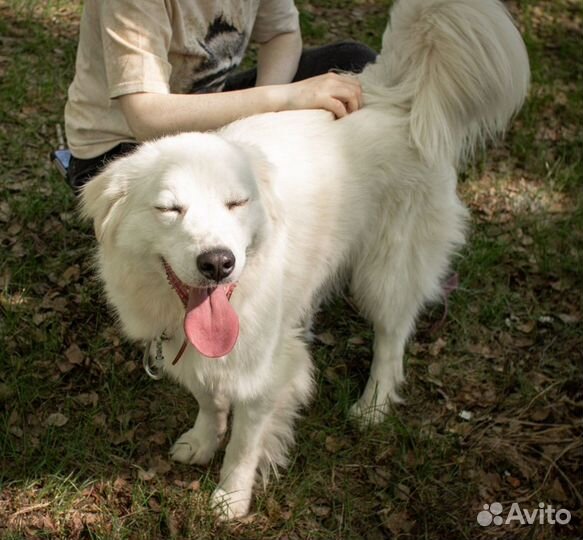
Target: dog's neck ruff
<point x="210" y="324"/>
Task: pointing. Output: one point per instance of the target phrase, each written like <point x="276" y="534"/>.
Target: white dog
<point x="278" y="207"/>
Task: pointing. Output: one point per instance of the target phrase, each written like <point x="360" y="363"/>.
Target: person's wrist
<point x="277" y="96"/>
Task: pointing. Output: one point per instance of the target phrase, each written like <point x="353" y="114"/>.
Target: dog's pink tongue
<point x="211" y="324"/>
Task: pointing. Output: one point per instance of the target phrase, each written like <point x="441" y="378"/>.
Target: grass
<point x="84" y="434"/>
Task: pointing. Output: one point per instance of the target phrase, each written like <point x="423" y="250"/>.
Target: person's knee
<point x="349" y="56"/>
<point x="352" y="55"/>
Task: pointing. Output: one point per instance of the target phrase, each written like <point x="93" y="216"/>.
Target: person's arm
<point x="151" y="112"/>
<point x="278" y="59"/>
<point x="152" y="115"/>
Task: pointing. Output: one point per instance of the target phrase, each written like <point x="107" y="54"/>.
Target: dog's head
<point x="191" y="206"/>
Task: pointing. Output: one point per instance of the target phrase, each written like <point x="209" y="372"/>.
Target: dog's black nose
<point x="216" y="264"/>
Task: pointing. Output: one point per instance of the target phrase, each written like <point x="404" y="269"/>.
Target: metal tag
<point x="152" y="366"/>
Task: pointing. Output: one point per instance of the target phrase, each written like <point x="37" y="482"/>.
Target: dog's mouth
<point x="210" y="323"/>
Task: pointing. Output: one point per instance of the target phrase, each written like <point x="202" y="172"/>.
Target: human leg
<point x="343" y="56"/>
<point x="82" y="170"/>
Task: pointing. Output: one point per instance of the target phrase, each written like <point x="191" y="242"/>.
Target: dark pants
<point x="344" y="56"/>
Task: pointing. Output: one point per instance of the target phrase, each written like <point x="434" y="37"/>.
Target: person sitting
<point x="157" y="67"/>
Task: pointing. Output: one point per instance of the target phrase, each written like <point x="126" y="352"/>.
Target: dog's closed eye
<point x="236" y="203"/>
<point x="170" y="209"/>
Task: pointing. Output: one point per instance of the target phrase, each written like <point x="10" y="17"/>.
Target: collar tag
<point x="152" y="366"/>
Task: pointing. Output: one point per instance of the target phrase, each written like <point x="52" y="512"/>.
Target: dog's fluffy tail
<point x="460" y="69"/>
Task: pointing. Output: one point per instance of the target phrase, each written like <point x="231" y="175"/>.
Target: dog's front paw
<point x="366" y="414"/>
<point x="230" y="505"/>
<point x="370" y="412"/>
<point x="191" y="449"/>
<point x="376" y="401"/>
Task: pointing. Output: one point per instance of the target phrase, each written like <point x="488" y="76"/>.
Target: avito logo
<point x="544" y="514"/>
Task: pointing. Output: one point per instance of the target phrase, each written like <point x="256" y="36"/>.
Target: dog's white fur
<point x="371" y="197"/>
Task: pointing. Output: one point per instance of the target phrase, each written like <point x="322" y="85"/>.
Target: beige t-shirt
<point x="158" y="46"/>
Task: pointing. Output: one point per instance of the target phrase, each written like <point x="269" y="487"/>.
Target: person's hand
<point x="339" y="94"/>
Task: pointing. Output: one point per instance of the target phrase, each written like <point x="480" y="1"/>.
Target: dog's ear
<point x="102" y="199"/>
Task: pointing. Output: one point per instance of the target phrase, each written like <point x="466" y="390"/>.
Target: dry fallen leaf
<point x="64" y="367"/>
<point x="4" y="212"/>
<point x="87" y="399"/>
<point x="100" y="420"/>
<point x="160" y="465"/>
<point x="6" y="392"/>
<point x="334" y="444"/>
<point x="74" y="354"/>
<point x="332" y="373"/>
<point x="159" y="438"/>
<point x="326" y="338"/>
<point x="120" y="484"/>
<point x="54" y="302"/>
<point x="480" y="349"/>
<point x="39" y="318"/>
<point x="557" y="492"/>
<point x="14" y="229"/>
<point x="155" y="505"/>
<point x="559" y="286"/>
<point x="569" y="318"/>
<point x="379" y="476"/>
<point x="526" y="327"/>
<point x="523" y="343"/>
<point x="403" y="492"/>
<point x="398" y="522"/>
<point x="146" y="476"/>
<point x="437" y="346"/>
<point x="321" y="509"/>
<point x="16" y="431"/>
<point x="120" y="438"/>
<point x="194" y="485"/>
<point x="56" y="420"/>
<point x="513" y="481"/>
<point x="434" y="369"/>
<point x="540" y="414"/>
<point x="71" y="274"/>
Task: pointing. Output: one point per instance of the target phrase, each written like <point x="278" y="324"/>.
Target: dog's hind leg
<point x="387" y="372"/>
<point x="394" y="275"/>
